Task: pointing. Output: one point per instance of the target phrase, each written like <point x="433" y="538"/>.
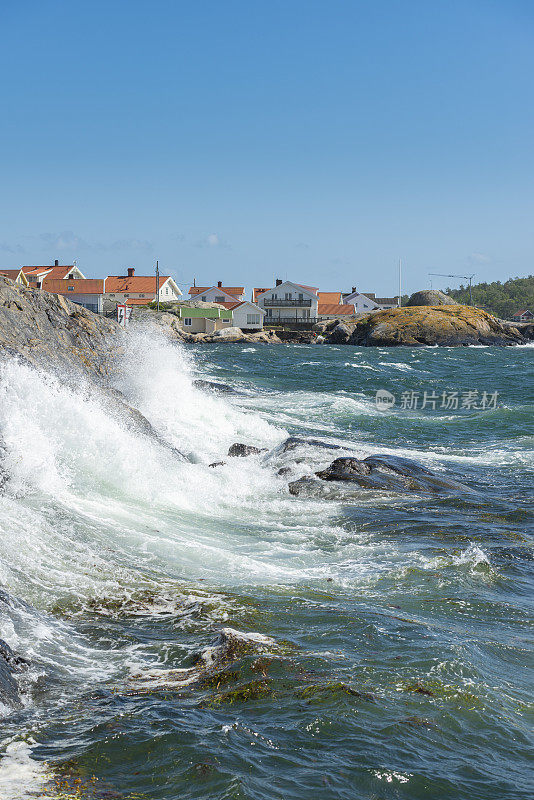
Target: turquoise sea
<point x="387" y="635"/>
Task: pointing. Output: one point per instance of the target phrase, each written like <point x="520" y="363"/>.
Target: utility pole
<point x="157" y="284"/>
<point x="466" y="277"/>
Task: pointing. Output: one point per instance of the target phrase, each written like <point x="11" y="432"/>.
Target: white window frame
<point x="188" y="321"/>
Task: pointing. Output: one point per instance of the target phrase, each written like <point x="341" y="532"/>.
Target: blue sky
<point x="245" y="140"/>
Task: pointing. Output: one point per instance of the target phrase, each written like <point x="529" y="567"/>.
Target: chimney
<point x="279" y="281"/>
<point x="353" y="289"/>
<point x="131" y="272"/>
<point x="56" y="263"/>
<point x="219" y="284"/>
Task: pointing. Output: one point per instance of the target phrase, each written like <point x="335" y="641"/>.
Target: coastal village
<point x="206" y="309"/>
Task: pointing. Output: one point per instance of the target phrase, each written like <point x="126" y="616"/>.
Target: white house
<point x="37" y="276"/>
<point x="217" y="294"/>
<point x="246" y="315"/>
<point x="135" y="289"/>
<point x="288" y="302"/>
<point x="369" y="301"/>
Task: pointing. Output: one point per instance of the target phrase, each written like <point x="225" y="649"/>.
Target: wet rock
<point x="397" y="464"/>
<point x="137" y="420"/>
<point x="344" y="469"/>
<point x="383" y="472"/>
<point x="217" y="464"/>
<point x="10" y="664"/>
<point x="284" y="471"/>
<point x="48" y="330"/>
<point x="231" y="646"/>
<point x="240" y="450"/>
<point x="213" y="386"/>
<point x="295" y="441"/>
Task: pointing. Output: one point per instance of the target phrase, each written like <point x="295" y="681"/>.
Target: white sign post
<point x="123" y="314"/>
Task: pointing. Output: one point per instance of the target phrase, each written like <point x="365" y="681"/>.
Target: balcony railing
<point x="283" y="320"/>
<point x="285" y="303"/>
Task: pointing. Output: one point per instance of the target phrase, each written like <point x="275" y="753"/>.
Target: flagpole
<point x="400" y="283"/>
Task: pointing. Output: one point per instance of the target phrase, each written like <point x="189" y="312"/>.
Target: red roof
<point x="134" y="283"/>
<point x="335" y="310"/>
<point x="520" y="313"/>
<point x="79" y="286"/>
<point x="51" y="272"/>
<point x="313" y="289"/>
<point x="330" y="297"/>
<point x="257" y="292"/>
<point x="10" y="273"/>
<point x="236" y="291"/>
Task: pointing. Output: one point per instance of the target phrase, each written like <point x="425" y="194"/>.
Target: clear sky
<point x="245" y="140"/>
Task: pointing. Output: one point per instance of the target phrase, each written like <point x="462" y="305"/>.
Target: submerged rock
<point x="230" y="646"/>
<point x="240" y="450"/>
<point x="296" y="441"/>
<point x="10" y="664"/>
<point x="213" y="386"/>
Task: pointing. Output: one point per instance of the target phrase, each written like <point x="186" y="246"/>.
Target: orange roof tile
<point x="231" y="290"/>
<point x="10" y="273"/>
<point x="79" y="286"/>
<point x="336" y="310"/>
<point x="134" y="283"/>
<point x="51" y="272"/>
<point x="330" y="297"/>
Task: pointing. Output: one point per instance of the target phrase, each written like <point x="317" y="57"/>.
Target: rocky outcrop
<point x="240" y="450"/>
<point x="447" y="326"/>
<point x="430" y="297"/>
<point x="380" y="472"/>
<point x="48" y="330"/>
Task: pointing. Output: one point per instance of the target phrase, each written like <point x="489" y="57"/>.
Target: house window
<point x="166" y="290"/>
<point x="288" y="295"/>
<point x="253" y="319"/>
<point x="225" y="321"/>
<point x="187" y="322"/>
<point x="301" y="296"/>
<point x="365" y="306"/>
<point x="269" y="312"/>
<point x="126" y="295"/>
<point x="219" y="299"/>
<point x="70" y="288"/>
<point x="275" y="296"/>
<point x="203" y="298"/>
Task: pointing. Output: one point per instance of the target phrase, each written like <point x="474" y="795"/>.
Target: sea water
<point x="396" y="627"/>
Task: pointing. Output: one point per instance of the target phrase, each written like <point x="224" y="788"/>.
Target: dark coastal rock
<point x="240" y="450"/>
<point x="138" y="421"/>
<point x="402" y="466"/>
<point x="212" y="386"/>
<point x="10" y="664"/>
<point x="417" y="326"/>
<point x="382" y="473"/>
<point x="217" y="464"/>
<point x="48" y="330"/>
<point x="339" y="334"/>
<point x="431" y="297"/>
<point x="344" y="469"/>
<point x="293" y="442"/>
